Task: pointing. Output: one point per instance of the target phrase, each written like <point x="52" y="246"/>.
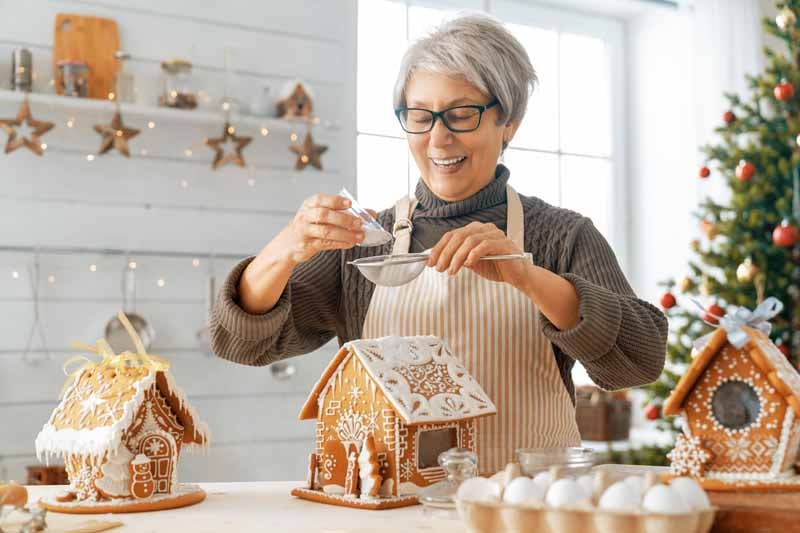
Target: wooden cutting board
<point x="755" y="512"/>
<point x="91" y="39"/>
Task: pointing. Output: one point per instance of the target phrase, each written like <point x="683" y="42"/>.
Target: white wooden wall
<point x="61" y="199"/>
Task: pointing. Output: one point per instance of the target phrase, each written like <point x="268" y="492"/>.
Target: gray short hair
<point x="479" y="49"/>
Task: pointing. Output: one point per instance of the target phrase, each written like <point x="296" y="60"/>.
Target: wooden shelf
<point x="161" y="114"/>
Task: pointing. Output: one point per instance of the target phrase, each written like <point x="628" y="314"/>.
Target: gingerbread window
<point x="432" y="443"/>
<point x="735" y="404"/>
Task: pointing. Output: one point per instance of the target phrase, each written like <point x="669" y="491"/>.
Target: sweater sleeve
<point x="620" y="339"/>
<point x="303" y="320"/>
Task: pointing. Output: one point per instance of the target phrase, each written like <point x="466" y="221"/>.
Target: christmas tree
<point x="749" y="250"/>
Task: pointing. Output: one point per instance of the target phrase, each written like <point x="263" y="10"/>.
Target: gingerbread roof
<point x="765" y="355"/>
<point x="418" y="375"/>
<point x="100" y="404"/>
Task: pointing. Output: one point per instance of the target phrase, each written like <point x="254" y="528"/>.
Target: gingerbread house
<point x="390" y="405"/>
<point x="127" y="405"/>
<point x="295" y="101"/>
<point x="741" y="411"/>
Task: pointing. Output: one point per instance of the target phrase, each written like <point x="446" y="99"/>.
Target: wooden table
<point x="265" y="506"/>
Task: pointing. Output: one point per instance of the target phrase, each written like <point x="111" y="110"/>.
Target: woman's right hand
<point x="320" y="224"/>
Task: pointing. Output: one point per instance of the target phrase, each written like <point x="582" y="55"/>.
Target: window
<point x="567" y="150"/>
<point x="432" y="443"/>
<point x="735" y="404"/>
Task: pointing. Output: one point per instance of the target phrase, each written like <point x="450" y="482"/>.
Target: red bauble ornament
<point x="667" y="300"/>
<point x="785" y="235"/>
<point x="745" y="170"/>
<point x="785" y="350"/>
<point x="783" y="91"/>
<point x="652" y="412"/>
<point x="704" y="172"/>
<point x="728" y="117"/>
<point x="712" y="312"/>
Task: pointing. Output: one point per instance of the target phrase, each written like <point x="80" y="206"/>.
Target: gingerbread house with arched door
<point x="109" y="415"/>
<point x="741" y="415"/>
<point x="391" y="406"/>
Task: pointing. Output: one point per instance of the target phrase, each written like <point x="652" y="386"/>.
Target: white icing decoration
<point x="116" y="476"/>
<point x="421" y="378"/>
<point x="688" y="456"/>
<point x="365" y="470"/>
<point x="333" y="489"/>
<point x="181" y="490"/>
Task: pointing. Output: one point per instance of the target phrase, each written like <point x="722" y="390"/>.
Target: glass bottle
<point x="124" y="85"/>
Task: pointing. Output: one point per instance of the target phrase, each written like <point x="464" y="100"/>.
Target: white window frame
<point x="612" y="31"/>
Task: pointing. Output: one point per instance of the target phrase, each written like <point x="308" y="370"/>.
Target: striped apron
<point x="494" y="330"/>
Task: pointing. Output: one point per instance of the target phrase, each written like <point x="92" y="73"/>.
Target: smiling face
<point x="454" y="166"/>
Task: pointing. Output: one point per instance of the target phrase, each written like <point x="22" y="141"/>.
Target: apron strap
<point x="404" y="209"/>
<point x="515" y="224"/>
<point x="403" y="227"/>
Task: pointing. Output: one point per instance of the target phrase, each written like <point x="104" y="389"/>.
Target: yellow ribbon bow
<point x="109" y="359"/>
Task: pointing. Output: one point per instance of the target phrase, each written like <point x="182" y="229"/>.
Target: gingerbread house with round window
<point x="741" y="411"/>
<point x="385" y="409"/>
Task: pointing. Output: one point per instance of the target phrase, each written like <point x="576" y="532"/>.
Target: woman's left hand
<point x="463" y="247"/>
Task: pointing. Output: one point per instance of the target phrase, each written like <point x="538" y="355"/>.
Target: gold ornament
<point x="38" y="128"/>
<point x="235" y="157"/>
<point x="709" y="229"/>
<point x="786" y="19"/>
<point x="686" y="284"/>
<point x="308" y="153"/>
<point x="705" y="287"/>
<point x="115" y="135"/>
<point x="747" y="271"/>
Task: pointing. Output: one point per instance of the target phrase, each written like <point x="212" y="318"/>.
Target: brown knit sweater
<point x="620" y="339"/>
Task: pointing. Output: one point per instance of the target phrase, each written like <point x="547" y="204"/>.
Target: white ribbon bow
<point x="733" y="321"/>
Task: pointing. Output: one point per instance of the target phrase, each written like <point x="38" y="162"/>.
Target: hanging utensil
<point x="399" y="269"/>
<point x="115" y="332"/>
<point x="36" y="326"/>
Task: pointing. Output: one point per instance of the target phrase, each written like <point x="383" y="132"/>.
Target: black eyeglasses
<point x="459" y="119"/>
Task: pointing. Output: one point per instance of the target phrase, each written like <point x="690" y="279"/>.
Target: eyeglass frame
<point x="437" y="114"/>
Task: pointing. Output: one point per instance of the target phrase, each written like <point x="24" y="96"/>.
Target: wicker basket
<point x="602" y="416"/>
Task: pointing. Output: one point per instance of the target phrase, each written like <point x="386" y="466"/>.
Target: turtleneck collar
<point x="431" y="206"/>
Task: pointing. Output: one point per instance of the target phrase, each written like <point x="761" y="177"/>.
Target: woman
<point x="517" y="325"/>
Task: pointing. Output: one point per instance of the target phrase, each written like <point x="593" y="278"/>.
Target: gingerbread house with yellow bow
<point x="120" y="428"/>
<point x="740" y="402"/>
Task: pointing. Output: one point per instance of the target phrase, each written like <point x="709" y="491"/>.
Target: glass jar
<point x="124" y="85"/>
<point x="73" y="78"/>
<point x="571" y="461"/>
<point x="179" y="91"/>
<point x="438" y="499"/>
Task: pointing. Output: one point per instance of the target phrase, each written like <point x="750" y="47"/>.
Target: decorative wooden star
<point x="115" y="135"/>
<point x="217" y="144"/>
<point x="308" y="153"/>
<point x="37" y="127"/>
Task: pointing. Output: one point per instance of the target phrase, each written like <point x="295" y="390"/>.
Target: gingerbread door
<point x="160" y="448"/>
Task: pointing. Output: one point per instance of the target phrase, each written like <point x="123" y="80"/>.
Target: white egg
<point x="543" y="479"/>
<point x="636" y="483"/>
<point x="663" y="499"/>
<point x="691" y="492"/>
<point x="499" y="478"/>
<point x="586" y="482"/>
<point x="523" y="490"/>
<point x="619" y="497"/>
<point x="564" y="492"/>
<point x="479" y="489"/>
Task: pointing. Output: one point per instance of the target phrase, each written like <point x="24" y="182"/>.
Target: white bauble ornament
<point x="786" y="19"/>
<point x="620" y="496"/>
<point x="662" y="499"/>
<point x="691" y="492"/>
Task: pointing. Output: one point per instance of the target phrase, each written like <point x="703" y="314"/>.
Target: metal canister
<point x="21" y="70"/>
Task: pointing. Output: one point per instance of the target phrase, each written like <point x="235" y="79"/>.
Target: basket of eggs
<point x="557" y="500"/>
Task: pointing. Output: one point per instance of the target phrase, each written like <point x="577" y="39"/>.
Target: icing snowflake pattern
<point x="738" y="449"/>
<point x="688" y="457"/>
<point x="422" y="379"/>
